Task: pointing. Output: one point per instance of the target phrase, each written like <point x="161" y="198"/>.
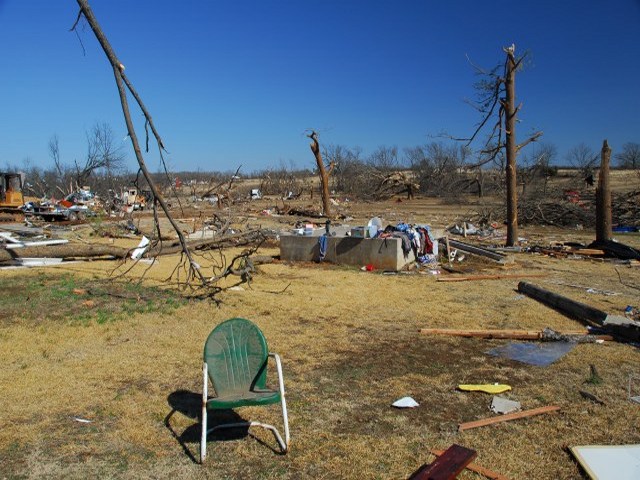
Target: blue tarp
<point x="538" y="354"/>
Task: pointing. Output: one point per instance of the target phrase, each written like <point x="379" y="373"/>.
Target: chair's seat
<point x="244" y="398"/>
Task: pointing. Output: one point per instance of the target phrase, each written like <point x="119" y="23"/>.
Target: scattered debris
<point x="634" y="391"/>
<point x="504" y="405"/>
<point x="38" y="262"/>
<point x="405" y="402"/>
<point x="549" y="335"/>
<point x="508" y="417"/>
<point x="611" y="248"/>
<point x="140" y="249"/>
<point x="15" y="243"/>
<point x="81" y="420"/>
<point x="632" y="312"/>
<point x="587" y="289"/>
<point x="480" y="251"/>
<point x="591" y="396"/>
<point x="486" y="388"/>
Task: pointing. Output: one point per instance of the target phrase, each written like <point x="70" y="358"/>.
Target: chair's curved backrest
<point x="236" y="355"/>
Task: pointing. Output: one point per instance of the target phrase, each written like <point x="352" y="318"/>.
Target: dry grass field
<point x="76" y="345"/>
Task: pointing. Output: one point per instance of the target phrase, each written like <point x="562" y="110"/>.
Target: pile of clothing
<point x="416" y="238"/>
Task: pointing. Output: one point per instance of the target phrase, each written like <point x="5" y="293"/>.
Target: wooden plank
<point x="512" y="334"/>
<point x="474" y="467"/>
<point x="490" y="277"/>
<point x="508" y="417"/>
<point x="504" y="334"/>
<point x="447" y="466"/>
<point x="588" y="252"/>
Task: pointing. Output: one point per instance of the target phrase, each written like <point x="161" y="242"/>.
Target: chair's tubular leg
<point x="273" y="429"/>
<point x="203" y="437"/>
<point x="285" y="417"/>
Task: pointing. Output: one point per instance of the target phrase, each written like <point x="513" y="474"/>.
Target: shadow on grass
<point x="189" y="404"/>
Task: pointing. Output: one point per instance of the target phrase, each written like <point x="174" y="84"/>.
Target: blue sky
<point x="234" y="83"/>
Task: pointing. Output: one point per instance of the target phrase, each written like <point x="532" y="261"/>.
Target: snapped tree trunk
<point x="511" y="150"/>
<point x="322" y="172"/>
<point x="603" y="197"/>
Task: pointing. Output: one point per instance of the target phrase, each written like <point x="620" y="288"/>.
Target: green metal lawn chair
<point x="235" y="359"/>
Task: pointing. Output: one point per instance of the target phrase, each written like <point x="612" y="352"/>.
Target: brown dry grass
<point x="350" y="345"/>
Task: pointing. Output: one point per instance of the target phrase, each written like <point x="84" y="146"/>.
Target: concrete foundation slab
<point x="383" y="254"/>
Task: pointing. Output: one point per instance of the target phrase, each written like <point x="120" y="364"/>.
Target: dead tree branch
<point x="194" y="272"/>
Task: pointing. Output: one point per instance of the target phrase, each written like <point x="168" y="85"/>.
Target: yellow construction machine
<point x="11" y="197"/>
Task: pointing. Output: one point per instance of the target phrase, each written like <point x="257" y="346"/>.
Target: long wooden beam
<point x="498" y="276"/>
<point x="504" y="334"/>
<point x="508" y="417"/>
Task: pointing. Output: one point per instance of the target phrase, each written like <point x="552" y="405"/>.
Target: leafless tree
<point x="353" y="175"/>
<point x="54" y="153"/>
<point x="499" y="112"/>
<point x="440" y="168"/>
<point x="282" y="181"/>
<point x="581" y="157"/>
<point x="104" y="160"/>
<point x="629" y="157"/>
<point x="384" y="158"/>
<point x="103" y="153"/>
<point x="584" y="159"/>
<point x="535" y="169"/>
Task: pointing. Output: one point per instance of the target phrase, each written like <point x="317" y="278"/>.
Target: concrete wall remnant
<point x="381" y="253"/>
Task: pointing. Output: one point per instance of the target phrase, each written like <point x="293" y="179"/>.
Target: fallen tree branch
<point x="118" y="69"/>
<point x="70" y="251"/>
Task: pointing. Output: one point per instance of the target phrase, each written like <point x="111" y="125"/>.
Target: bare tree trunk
<point x="323" y="173"/>
<point x="511" y="150"/>
<point x="603" y="197"/>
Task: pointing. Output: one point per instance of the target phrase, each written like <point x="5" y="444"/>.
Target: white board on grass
<point x="609" y="462"/>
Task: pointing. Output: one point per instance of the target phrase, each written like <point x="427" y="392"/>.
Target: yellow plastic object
<point x="487" y="388"/>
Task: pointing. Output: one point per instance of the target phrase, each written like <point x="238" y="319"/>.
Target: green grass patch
<point x="66" y="298"/>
